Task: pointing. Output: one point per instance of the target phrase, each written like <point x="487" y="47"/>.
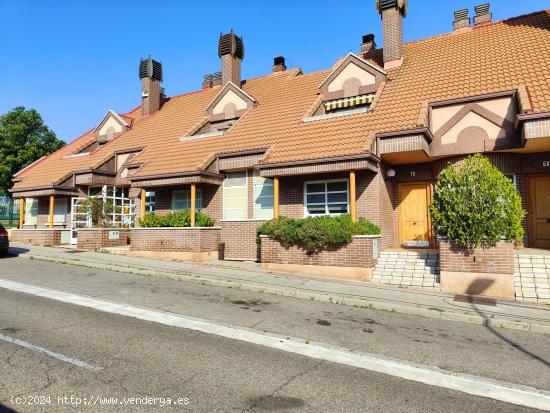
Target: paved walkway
<point x="251" y="277"/>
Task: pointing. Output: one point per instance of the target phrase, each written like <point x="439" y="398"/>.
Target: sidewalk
<point x="251" y="277"/>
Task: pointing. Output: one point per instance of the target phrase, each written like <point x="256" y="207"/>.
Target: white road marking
<point x="53" y="354"/>
<point x="433" y="376"/>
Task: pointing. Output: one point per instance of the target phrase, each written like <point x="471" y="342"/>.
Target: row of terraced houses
<point x="368" y="137"/>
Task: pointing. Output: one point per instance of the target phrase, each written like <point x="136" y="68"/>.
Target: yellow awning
<point x="349" y="102"/>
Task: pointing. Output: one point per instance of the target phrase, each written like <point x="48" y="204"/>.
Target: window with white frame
<point x="328" y="197"/>
<point x="150" y="202"/>
<point x="31" y="211"/>
<point x="263" y="197"/>
<point x="235" y="196"/>
<point x="60" y="211"/>
<point x="181" y="199"/>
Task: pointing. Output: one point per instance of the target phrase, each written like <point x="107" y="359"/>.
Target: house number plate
<point x="114" y="234"/>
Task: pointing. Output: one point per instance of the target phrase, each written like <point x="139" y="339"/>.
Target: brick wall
<point x="358" y="253"/>
<point x="239" y="238"/>
<point x="175" y="239"/>
<point x="95" y="238"/>
<point x="494" y="260"/>
<point x="37" y="236"/>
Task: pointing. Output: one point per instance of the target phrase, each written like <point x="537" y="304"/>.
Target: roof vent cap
<point x="482" y="9"/>
<point x="461" y="14"/>
<point x="483" y="15"/>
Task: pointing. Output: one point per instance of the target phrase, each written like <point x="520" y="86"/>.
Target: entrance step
<point x="532" y="277"/>
<point x="407" y="268"/>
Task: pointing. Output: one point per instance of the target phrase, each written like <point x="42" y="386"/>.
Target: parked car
<point x="4" y="242"/>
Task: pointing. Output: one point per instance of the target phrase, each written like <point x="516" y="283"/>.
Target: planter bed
<point x="355" y="260"/>
<point x="96" y="238"/>
<point x="482" y="271"/>
<point x="185" y="243"/>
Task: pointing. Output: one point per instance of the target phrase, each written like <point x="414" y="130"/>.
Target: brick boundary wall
<point x="362" y="252"/>
<point x="37" y="236"/>
<point x="239" y="238"/>
<point x="493" y="260"/>
<point x="197" y="239"/>
<point x="95" y="238"/>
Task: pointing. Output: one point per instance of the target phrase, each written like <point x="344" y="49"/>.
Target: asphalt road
<point x="138" y="359"/>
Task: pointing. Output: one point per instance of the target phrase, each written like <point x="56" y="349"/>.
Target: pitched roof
<point x="496" y="57"/>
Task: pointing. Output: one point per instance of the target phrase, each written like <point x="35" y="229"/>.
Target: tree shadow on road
<point x="476" y="288"/>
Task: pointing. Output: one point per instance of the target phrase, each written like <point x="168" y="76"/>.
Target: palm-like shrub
<point x="475" y="205"/>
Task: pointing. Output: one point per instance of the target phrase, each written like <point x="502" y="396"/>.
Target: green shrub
<point x="313" y="233"/>
<point x="476" y="205"/>
<point x="181" y="218"/>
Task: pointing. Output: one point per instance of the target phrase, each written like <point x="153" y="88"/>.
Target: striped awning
<point x="349" y="102"/>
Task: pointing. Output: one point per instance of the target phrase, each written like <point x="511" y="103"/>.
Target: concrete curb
<point x="440" y="313"/>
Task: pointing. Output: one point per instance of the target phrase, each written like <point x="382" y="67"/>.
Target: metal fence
<point x="9" y="211"/>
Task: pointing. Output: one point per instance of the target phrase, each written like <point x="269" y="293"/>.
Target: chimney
<point x="461" y="19"/>
<point x="231" y="51"/>
<point x="483" y="15"/>
<point x="216" y="79"/>
<point x="150" y="73"/>
<point x="207" y="81"/>
<point x="392" y="12"/>
<point x="367" y="43"/>
<point x="279" y="64"/>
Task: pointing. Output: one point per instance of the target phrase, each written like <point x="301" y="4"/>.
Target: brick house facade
<point x="389" y="119"/>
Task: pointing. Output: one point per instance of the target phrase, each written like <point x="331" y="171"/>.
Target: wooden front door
<point x="414" y="218"/>
<point x="539" y="211"/>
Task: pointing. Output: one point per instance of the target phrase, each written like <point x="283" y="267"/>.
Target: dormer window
<point x="229" y="104"/>
<point x="110" y="126"/>
<point x="352" y="85"/>
<point x="226" y="108"/>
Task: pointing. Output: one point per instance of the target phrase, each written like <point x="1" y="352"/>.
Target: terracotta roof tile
<point x="497" y="57"/>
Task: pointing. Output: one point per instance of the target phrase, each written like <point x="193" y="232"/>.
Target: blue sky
<point x="73" y="60"/>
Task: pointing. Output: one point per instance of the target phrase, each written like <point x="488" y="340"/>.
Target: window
<point x="326" y="197"/>
<point x="150" y="202"/>
<point x="263" y="197"/>
<point x="235" y="196"/>
<point x="31" y="211"/>
<point x="181" y="199"/>
<point x="60" y="211"/>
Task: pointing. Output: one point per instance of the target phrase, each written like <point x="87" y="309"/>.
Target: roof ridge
<point x="482" y="26"/>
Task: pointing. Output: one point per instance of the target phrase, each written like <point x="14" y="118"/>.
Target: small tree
<point x="476" y="205"/>
<point x="100" y="211"/>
